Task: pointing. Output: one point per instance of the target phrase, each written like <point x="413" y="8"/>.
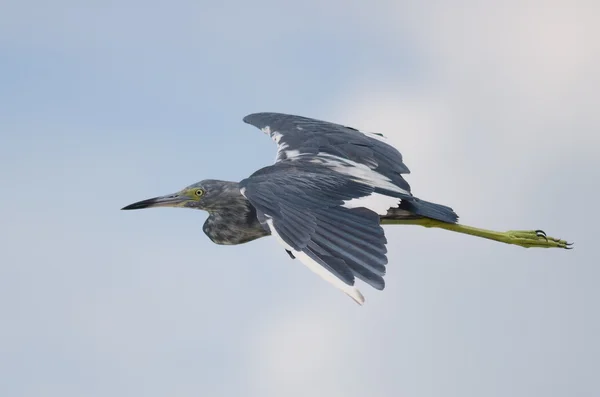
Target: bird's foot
<point x="535" y="238"/>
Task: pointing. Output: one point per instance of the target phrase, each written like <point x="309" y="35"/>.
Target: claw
<point x="533" y="238"/>
<point x="541" y="233"/>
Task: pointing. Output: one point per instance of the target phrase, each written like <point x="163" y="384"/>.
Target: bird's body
<point x="324" y="199"/>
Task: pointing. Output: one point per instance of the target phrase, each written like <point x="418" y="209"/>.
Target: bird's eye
<point x="199" y="192"/>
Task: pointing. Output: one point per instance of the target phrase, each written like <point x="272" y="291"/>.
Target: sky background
<point x="493" y="106"/>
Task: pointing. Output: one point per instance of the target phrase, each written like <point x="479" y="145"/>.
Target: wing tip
<point x="260" y="119"/>
<point x="248" y="118"/>
<point x="254" y="118"/>
<point x="356" y="295"/>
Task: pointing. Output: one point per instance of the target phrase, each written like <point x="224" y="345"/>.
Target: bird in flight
<point x="325" y="199"/>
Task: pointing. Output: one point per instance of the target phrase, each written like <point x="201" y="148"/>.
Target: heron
<point x="325" y="199"/>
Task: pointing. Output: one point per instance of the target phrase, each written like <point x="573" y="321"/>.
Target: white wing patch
<point x="359" y="172"/>
<point x="282" y="151"/>
<point x="349" y="290"/>
<point x="291" y="154"/>
<point x="375" y="136"/>
<point x="376" y="202"/>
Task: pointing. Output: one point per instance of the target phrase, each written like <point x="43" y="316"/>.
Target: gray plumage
<point x="310" y="137"/>
<point x="304" y="202"/>
<point x="232" y="219"/>
<point x="324" y="199"/>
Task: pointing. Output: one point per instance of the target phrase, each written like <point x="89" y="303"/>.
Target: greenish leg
<point x="523" y="238"/>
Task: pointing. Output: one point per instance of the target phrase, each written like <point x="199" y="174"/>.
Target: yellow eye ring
<point x="199" y="192"/>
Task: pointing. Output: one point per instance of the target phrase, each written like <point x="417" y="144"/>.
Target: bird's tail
<point x="417" y="208"/>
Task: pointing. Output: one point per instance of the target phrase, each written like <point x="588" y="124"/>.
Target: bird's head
<point x="205" y="195"/>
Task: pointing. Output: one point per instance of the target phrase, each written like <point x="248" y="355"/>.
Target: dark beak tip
<point x="139" y="205"/>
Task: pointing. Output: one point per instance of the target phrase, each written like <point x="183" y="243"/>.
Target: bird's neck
<point x="234" y="221"/>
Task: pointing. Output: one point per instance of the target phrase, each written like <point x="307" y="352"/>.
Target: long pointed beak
<point x="171" y="200"/>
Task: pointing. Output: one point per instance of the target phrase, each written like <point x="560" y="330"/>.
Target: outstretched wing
<point x="324" y="196"/>
<point x="298" y="136"/>
<point x="309" y="208"/>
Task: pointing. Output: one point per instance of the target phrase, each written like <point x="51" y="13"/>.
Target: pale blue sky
<point x="494" y="109"/>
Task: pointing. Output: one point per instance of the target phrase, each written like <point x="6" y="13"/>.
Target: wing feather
<point x="302" y="135"/>
<point x="302" y="204"/>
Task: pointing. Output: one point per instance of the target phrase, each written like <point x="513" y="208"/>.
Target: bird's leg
<point x="523" y="238"/>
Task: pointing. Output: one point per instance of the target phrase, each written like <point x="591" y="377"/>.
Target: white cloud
<point x="517" y="63"/>
<point x="301" y="352"/>
<point x="509" y="90"/>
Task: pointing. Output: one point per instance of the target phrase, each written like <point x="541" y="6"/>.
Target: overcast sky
<point x="493" y="106"/>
